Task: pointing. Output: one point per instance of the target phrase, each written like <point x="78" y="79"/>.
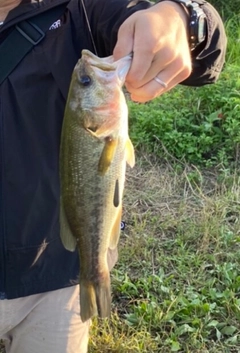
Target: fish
<point x="94" y="151"/>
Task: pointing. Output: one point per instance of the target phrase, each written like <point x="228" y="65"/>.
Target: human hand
<point x="159" y="42"/>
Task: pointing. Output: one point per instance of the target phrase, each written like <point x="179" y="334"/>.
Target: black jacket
<point x="32" y="100"/>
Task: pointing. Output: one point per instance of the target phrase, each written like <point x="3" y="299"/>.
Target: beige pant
<point x="44" y="323"/>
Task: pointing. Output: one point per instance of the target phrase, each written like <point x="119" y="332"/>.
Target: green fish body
<point x="94" y="150"/>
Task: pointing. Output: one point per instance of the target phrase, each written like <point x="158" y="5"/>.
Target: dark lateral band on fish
<point x="116" y="197"/>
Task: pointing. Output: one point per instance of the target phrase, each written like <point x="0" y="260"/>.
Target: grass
<point x="195" y="125"/>
<point x="176" y="287"/>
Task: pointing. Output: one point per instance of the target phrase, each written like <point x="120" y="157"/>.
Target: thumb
<point x="124" y="45"/>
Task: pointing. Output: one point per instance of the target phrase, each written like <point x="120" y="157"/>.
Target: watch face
<point x="201" y="28"/>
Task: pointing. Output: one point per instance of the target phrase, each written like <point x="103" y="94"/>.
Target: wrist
<point x="196" y="25"/>
<point x="178" y="11"/>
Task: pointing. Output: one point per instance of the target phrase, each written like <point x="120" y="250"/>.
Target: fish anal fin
<point x="115" y="233"/>
<point x="68" y="240"/>
<point x="103" y="298"/>
<point x="130" y="155"/>
<point x="107" y="155"/>
<point x="95" y="298"/>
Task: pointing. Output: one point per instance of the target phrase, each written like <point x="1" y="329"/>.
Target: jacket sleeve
<point x="208" y="59"/>
<point x="106" y="16"/>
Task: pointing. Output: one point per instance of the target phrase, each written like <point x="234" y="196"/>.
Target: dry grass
<point x="182" y="227"/>
<point x="180" y="224"/>
<point x="1" y="348"/>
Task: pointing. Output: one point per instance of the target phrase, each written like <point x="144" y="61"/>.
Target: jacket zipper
<point x="2" y="226"/>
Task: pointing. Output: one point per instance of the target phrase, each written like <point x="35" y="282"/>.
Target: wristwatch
<point x="197" y="22"/>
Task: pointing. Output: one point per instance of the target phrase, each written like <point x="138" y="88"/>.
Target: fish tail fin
<point x="95" y="298"/>
<point x="88" y="304"/>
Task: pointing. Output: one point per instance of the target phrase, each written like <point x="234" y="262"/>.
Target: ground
<point x="176" y="287"/>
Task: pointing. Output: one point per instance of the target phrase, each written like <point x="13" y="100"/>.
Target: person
<point x="39" y="295"/>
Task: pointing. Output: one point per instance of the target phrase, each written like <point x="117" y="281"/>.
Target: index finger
<point x="124" y="45"/>
<point x="141" y="64"/>
<point x="143" y="56"/>
<point x="131" y="40"/>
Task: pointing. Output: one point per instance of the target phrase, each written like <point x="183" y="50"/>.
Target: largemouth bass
<point x="95" y="147"/>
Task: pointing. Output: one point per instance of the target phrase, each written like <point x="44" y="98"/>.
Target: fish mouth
<point x="94" y="60"/>
<point x="107" y="64"/>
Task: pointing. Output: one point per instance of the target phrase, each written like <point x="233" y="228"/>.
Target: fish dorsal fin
<point x="115" y="233"/>
<point x="130" y="155"/>
<point x="107" y="155"/>
<point x="66" y="236"/>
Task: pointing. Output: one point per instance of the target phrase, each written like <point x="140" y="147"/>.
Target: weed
<point x="195" y="125"/>
<point x="177" y="283"/>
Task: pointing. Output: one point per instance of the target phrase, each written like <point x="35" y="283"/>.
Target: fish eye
<point x="85" y="80"/>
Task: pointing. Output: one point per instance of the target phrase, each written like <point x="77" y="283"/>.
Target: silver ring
<point x="162" y="83"/>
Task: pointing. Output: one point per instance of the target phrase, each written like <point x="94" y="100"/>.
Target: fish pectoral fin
<point x="115" y="233"/>
<point x="107" y="155"/>
<point x="68" y="240"/>
<point x="130" y="155"/>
